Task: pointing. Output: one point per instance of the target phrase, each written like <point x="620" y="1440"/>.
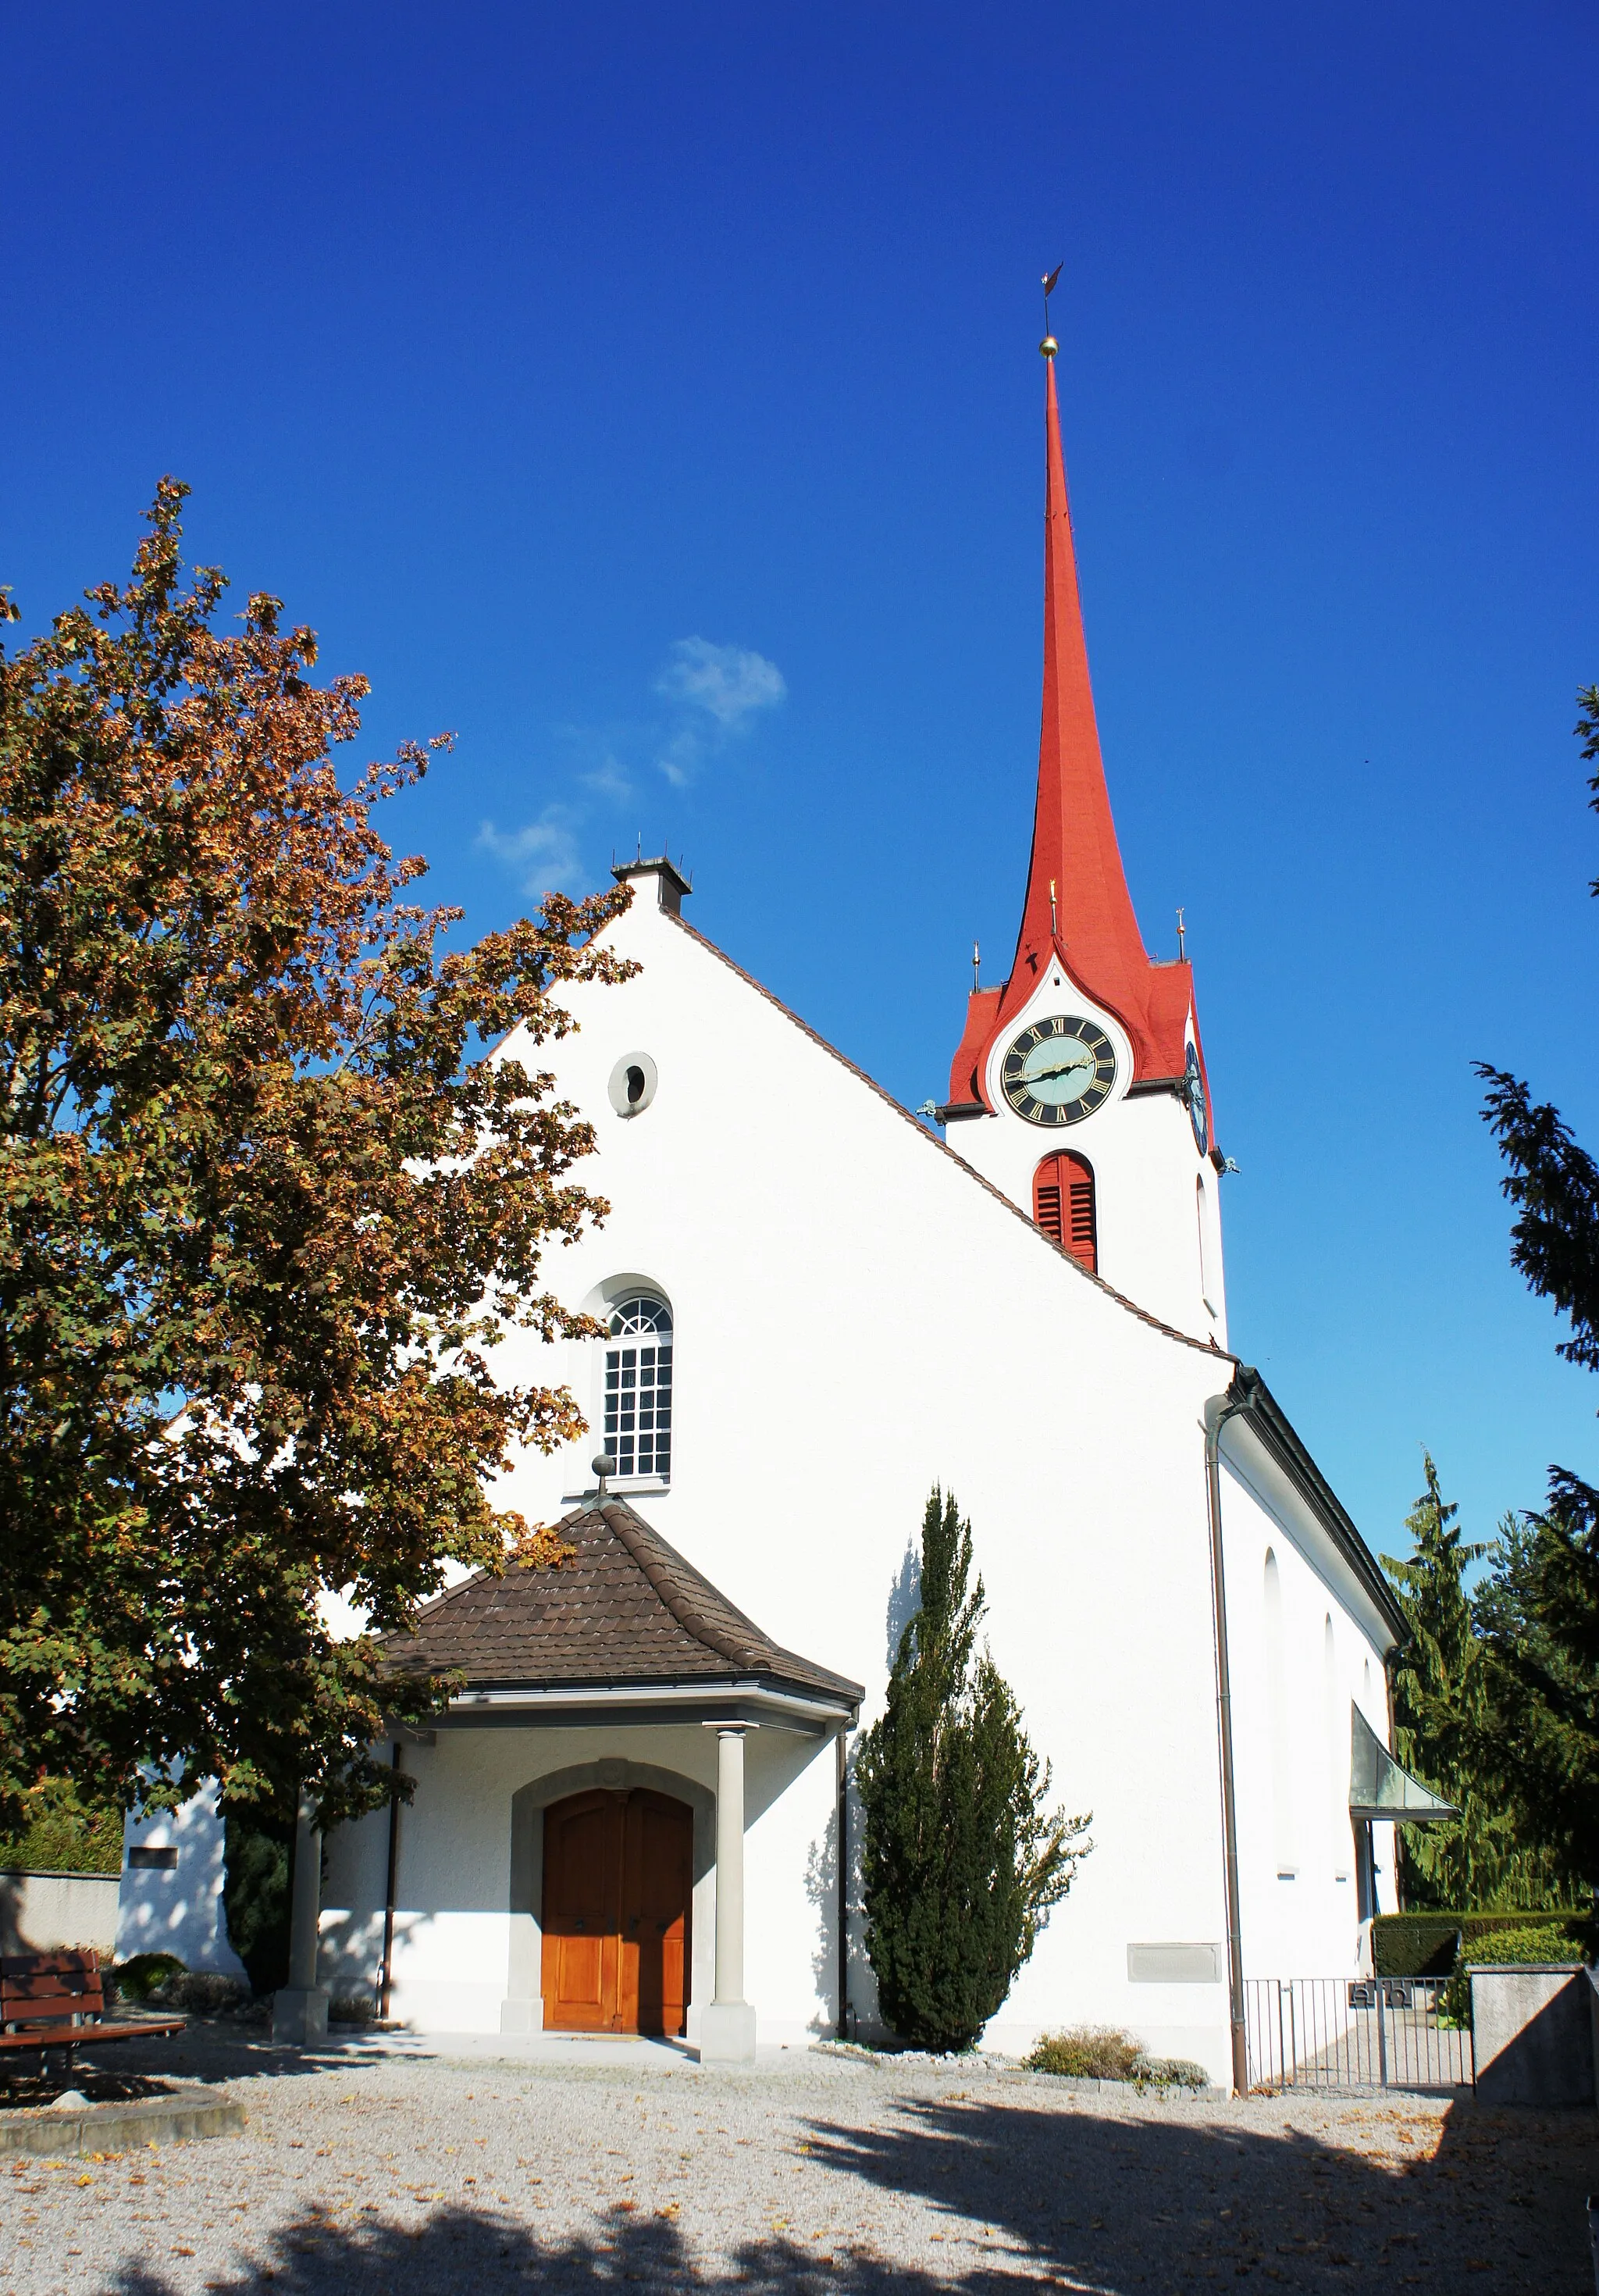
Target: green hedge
<point x="1423" y="1945"/>
<point x="66" y="1841"/>
<point x="1527" y="1941"/>
<point x="1553" y="1942"/>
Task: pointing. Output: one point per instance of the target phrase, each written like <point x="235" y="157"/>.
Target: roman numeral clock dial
<point x="1059" y="1070"/>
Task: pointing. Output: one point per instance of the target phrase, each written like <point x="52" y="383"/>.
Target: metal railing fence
<point x="1340" y="2032"/>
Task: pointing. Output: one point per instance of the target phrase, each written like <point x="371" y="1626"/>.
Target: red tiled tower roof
<point x="1078" y="907"/>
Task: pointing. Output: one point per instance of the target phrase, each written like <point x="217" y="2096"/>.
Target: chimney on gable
<point x="670" y="883"/>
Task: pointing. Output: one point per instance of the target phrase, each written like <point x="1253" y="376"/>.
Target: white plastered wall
<point x="1291" y="1697"/>
<point x="467" y="1947"/>
<point x="856" y="1318"/>
<point x="178" y="1909"/>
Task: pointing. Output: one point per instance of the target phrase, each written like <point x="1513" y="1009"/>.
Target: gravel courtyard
<point x="371" y="2172"/>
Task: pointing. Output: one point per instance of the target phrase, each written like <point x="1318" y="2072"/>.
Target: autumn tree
<point x="962" y="1857"/>
<point x="264" y="1213"/>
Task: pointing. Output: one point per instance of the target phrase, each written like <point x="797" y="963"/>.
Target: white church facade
<point x="819" y="1305"/>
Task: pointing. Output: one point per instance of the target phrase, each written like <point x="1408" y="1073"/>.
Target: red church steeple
<point x="1078" y="908"/>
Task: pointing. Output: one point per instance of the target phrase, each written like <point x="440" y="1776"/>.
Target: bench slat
<point x="47" y="1996"/>
<point x="57" y="2001"/>
<point x="88" y="2037"/>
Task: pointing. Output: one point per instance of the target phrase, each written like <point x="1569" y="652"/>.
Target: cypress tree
<point x="961" y="1859"/>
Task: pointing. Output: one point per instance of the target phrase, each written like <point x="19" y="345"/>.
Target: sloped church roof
<point x="627" y="1609"/>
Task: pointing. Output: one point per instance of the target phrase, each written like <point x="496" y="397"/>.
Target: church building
<point x="636" y="1814"/>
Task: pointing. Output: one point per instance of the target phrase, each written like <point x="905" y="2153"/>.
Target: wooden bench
<point x="57" y="2001"/>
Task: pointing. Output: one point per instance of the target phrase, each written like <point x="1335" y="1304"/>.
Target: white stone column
<point x="727" y="2028"/>
<point x="299" y="2012"/>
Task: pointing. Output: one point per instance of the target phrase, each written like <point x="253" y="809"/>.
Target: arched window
<point x="638" y="1387"/>
<point x="1063" y="1206"/>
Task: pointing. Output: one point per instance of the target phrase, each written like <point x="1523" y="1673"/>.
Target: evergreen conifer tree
<point x="1540" y="1615"/>
<point x="1445" y="1728"/>
<point x="961" y="1859"/>
<point x="1437" y="1689"/>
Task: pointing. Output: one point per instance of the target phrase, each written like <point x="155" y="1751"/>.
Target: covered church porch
<point x="573" y="1859"/>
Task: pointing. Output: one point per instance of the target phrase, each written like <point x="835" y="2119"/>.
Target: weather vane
<point x="1049" y="346"/>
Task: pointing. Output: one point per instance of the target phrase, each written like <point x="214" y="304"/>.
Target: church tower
<point x="1079" y="1087"/>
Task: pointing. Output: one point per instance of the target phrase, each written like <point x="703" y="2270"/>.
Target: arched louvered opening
<point x="1063" y="1206"/>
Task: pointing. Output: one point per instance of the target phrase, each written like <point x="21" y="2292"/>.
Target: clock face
<point x="1193" y="1093"/>
<point x="1058" y="1071"/>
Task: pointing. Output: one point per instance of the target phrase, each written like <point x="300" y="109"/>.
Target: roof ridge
<point x="1170" y="1331"/>
<point x="630" y="1609"/>
<point x="659" y="1561"/>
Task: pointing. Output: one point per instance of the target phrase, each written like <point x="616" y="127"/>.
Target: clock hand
<point x="1065" y="1067"/>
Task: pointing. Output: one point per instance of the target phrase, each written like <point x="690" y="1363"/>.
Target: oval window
<point x="632" y="1086"/>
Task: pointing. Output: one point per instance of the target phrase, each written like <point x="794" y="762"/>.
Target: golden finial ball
<point x="1049" y="346"/>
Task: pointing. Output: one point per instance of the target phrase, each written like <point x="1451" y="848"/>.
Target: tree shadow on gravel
<point x="1024" y="2195"/>
<point x="1149" y="2202"/>
<point x="483" y="2254"/>
<point x="221" y="2051"/>
<point x="35" y="2086"/>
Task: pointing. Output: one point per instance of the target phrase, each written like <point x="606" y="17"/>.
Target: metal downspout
<point x="1217" y="1412"/>
<point x="386" y="1980"/>
<point x="841" y="1766"/>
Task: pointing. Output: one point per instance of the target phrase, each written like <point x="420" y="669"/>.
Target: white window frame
<point x="625" y="1444"/>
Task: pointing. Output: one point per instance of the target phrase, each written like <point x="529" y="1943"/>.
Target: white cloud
<point x="545" y="852"/>
<point x="609" y="778"/>
<point x="714" y="693"/>
<point x="729" y="682"/>
<point x="680" y="759"/>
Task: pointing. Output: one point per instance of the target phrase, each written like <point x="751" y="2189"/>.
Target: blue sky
<point x="652" y="395"/>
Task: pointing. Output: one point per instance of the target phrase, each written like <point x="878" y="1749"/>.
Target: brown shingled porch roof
<point x="627" y="1612"/>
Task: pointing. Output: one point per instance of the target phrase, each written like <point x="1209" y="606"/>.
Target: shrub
<point x="1524" y="1943"/>
<point x="204" y="1992"/>
<point x="1086" y="2053"/>
<point x="1099" y="2053"/>
<point x="351" y="2009"/>
<point x="1171" y="2072"/>
<point x="256" y="1896"/>
<point x="138" y="1977"/>
<point x="1426" y="1944"/>
<point x="1551" y="1943"/>
<point x="63" y="1834"/>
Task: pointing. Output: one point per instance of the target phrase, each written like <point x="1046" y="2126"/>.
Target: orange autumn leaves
<point x="265" y="1212"/>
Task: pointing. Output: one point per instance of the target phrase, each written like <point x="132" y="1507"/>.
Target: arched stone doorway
<point x="619" y="1870"/>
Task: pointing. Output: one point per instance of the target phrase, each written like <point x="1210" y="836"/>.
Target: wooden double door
<point x="619" y="1875"/>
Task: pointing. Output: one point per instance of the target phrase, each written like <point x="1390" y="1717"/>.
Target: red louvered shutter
<point x="1064" y="1207"/>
